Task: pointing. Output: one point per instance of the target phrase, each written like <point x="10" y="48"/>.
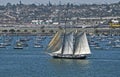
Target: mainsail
<point x="82" y="46"/>
<point x="68" y="45"/>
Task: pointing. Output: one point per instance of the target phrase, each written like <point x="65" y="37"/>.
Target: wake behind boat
<point x="69" y="46"/>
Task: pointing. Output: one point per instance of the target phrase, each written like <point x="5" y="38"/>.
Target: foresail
<point x="68" y="45"/>
<point x="58" y="51"/>
<point x="82" y="46"/>
<point x="55" y="43"/>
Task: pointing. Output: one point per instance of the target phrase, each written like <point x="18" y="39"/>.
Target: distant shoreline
<point x="51" y="31"/>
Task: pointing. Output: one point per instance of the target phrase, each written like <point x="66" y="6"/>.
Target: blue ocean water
<point x="34" y="62"/>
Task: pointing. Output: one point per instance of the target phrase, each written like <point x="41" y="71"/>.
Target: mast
<point x="63" y="42"/>
<point x="75" y="41"/>
<point x="64" y="35"/>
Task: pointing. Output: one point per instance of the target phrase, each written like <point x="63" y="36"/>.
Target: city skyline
<point x="4" y="2"/>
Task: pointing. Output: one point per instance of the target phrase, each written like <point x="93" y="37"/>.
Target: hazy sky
<point x="57" y="1"/>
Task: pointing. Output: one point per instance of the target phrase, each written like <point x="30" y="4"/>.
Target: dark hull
<point x="18" y="47"/>
<point x="69" y="57"/>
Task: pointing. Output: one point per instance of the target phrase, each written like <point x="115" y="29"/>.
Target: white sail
<point x="82" y="46"/>
<point x="59" y="51"/>
<point x="68" y="44"/>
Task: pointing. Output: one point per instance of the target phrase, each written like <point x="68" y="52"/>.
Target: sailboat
<point x="69" y="45"/>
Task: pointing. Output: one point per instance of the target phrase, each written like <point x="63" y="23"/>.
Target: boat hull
<point x="18" y="47"/>
<point x="69" y="57"/>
